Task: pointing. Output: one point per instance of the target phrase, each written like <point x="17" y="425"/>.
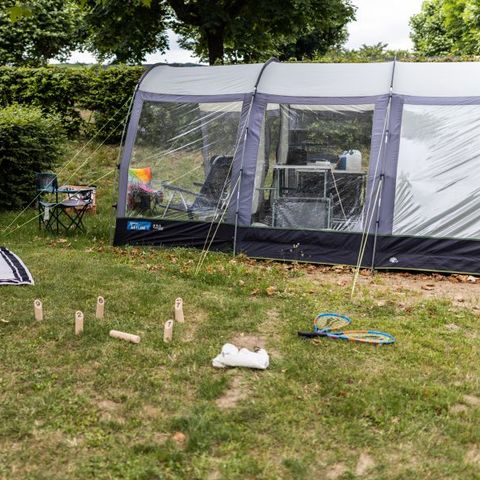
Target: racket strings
<point x="330" y="321"/>
<point x="332" y="324"/>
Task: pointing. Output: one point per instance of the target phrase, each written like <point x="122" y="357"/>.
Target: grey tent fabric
<point x="384" y="150"/>
<point x="12" y="270"/>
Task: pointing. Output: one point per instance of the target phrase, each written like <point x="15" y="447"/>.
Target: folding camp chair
<point x="47" y="184"/>
<point x="67" y="214"/>
<point x="74" y="207"/>
<point x="212" y="196"/>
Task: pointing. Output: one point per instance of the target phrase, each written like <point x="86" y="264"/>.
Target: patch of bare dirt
<point x="471" y="400"/>
<point x="473" y="456"/>
<point x="365" y="463"/>
<point x="110" y="410"/>
<point x="409" y="288"/>
<point x="252" y="342"/>
<point x="192" y="321"/>
<point x="336" y="471"/>
<point x="267" y="336"/>
<point x="468" y="401"/>
<point x="150" y="411"/>
<point x="458" y="408"/>
<point x="160" y="438"/>
<point x="237" y="391"/>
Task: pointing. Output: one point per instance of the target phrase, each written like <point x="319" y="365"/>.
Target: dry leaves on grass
<point x="271" y="290"/>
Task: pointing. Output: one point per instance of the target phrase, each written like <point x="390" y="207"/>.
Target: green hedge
<point x="30" y="142"/>
<point x="84" y="97"/>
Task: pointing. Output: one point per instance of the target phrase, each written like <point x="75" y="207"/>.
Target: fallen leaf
<point x="428" y="286"/>
<point x="271" y="290"/>
<point x="179" y="437"/>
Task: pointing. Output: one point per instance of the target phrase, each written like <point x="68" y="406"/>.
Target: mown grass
<point x="94" y="407"/>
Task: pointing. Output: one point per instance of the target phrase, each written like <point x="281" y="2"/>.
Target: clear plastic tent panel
<point x="312" y="167"/>
<point x="182" y="159"/>
<point x="438" y="177"/>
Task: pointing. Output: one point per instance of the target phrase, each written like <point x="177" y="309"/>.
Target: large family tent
<point x="322" y="163"/>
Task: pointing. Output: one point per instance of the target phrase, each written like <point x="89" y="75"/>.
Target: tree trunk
<point x="215" y="38"/>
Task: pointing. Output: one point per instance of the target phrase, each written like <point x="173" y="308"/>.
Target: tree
<point x="126" y="31"/>
<point x="429" y="33"/>
<point x="462" y="21"/>
<point x="219" y="30"/>
<point x="33" y="33"/>
<point x="377" y="52"/>
<point x="447" y="27"/>
<point x="253" y="30"/>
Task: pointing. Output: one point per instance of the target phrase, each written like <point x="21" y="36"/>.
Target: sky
<point x="377" y="21"/>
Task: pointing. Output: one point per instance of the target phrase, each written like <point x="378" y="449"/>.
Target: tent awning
<point x="326" y="79"/>
<point x="207" y="81"/>
<point x="437" y="79"/>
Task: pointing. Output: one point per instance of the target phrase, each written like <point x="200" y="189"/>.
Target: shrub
<point x="30" y="142"/>
<point x="108" y="95"/>
<point x="54" y="90"/>
<point x="94" y="93"/>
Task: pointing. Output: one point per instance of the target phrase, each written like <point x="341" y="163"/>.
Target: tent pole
<point x="247" y="120"/>
<point x="382" y="174"/>
<point x="381" y="163"/>
<point x="377" y="221"/>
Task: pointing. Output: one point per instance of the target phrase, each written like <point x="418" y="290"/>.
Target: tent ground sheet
<point x="12" y="270"/>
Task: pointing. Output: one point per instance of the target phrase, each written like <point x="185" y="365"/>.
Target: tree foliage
<point x="125" y="31"/>
<point x="447" y="27"/>
<point x="256" y="30"/>
<point x="378" y="52"/>
<point x="218" y="31"/>
<point x="33" y="32"/>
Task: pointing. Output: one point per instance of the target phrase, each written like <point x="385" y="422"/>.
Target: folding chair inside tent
<point x="213" y="194"/>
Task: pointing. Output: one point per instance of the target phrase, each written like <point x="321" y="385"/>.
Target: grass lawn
<point x="94" y="407"/>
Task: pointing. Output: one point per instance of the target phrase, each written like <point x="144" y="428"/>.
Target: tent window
<point x="438" y="179"/>
<point x="182" y="160"/>
<point x="312" y="167"/>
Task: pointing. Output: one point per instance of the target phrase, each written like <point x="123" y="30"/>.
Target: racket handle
<point x="311" y="334"/>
